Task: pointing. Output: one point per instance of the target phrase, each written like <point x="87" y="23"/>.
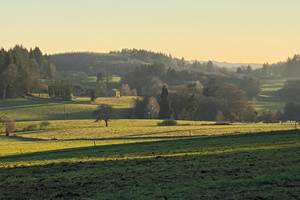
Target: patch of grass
<point x="121" y="103"/>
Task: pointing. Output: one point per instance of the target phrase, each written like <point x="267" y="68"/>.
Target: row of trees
<point x="149" y="79"/>
<point x="290" y="94"/>
<point x="61" y="90"/>
<point x="289" y="68"/>
<point x="216" y="102"/>
<point x="21" y="70"/>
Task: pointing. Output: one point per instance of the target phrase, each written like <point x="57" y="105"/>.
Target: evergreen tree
<point x="165" y="109"/>
<point x="21" y="71"/>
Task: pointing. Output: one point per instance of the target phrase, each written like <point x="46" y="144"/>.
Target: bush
<point x="269" y="116"/>
<point x="31" y="127"/>
<point x="223" y="123"/>
<point x="44" y="125"/>
<point x="169" y="122"/>
<point x="10" y="127"/>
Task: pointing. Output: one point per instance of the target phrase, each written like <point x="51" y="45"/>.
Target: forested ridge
<point x="125" y="61"/>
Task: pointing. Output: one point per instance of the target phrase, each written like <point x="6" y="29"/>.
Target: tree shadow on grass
<point x="185" y="145"/>
<point x="119" y="113"/>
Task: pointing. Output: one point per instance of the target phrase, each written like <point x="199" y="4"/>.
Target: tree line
<point x="22" y="71"/>
<point x="224" y="102"/>
<point x="287" y="69"/>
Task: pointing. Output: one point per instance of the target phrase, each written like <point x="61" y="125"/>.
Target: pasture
<point x="226" y="166"/>
<point x="38" y="109"/>
<point x="267" y="99"/>
<point x="76" y="158"/>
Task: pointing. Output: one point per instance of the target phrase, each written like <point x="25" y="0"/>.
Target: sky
<point x="243" y="31"/>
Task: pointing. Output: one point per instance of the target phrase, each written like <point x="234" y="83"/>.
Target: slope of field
<point x="238" y="166"/>
<point x="77" y="133"/>
<point x="77" y="158"/>
<point x="267" y="99"/>
<point x="37" y="109"/>
<point x="132" y="129"/>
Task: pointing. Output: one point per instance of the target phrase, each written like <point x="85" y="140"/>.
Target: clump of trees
<point x="268" y="116"/>
<point x="289" y="68"/>
<point x="61" y="90"/>
<point x="216" y="102"/>
<point x="147" y="108"/>
<point x="127" y="91"/>
<point x="154" y="107"/>
<point x="21" y="71"/>
<point x="149" y="79"/>
<point x="290" y="94"/>
<point x="292" y="111"/>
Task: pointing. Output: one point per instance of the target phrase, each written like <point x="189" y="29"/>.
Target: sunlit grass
<point x="88" y="129"/>
<point x="43" y="109"/>
<point x="84" y="133"/>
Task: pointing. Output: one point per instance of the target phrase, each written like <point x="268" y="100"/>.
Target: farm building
<point x="115" y="93"/>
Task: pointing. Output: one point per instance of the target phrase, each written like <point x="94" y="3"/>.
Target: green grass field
<point x="267" y="99"/>
<point x="35" y="109"/>
<point x="232" y="166"/>
<point x="78" y="158"/>
<point x="65" y="134"/>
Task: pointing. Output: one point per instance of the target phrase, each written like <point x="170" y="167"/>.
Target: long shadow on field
<point x="37" y="105"/>
<point x="119" y="113"/>
<point x="200" y="144"/>
<point x="268" y="174"/>
<point x="23" y="139"/>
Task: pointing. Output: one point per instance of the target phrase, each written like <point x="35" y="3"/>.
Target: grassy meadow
<point x="267" y="99"/>
<point x="38" y="109"/>
<point x="77" y="158"/>
<point x="232" y="166"/>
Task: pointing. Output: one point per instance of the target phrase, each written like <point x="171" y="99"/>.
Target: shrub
<point x="169" y="122"/>
<point x="269" y="116"/>
<point x="10" y="127"/>
<point x="44" y="125"/>
<point x="223" y="123"/>
<point x="31" y="127"/>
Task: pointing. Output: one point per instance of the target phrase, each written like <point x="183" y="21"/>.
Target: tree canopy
<point x="22" y="70"/>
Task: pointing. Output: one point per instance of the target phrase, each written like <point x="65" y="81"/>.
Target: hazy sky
<point x="223" y="30"/>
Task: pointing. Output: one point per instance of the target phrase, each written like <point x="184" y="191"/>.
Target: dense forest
<point x="22" y="71"/>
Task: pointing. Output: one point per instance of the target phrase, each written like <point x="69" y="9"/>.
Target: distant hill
<point x="120" y="62"/>
<point x="236" y="65"/>
<point x="124" y="61"/>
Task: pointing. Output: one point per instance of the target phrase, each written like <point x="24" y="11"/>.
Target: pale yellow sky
<point x="223" y="30"/>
